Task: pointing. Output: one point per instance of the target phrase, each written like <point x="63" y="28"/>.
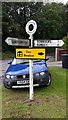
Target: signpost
<point x="48" y="43"/>
<point x="17" y="42"/>
<point x="31" y="53"/>
<point x="37" y="43"/>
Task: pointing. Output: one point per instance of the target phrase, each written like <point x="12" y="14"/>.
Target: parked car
<point x="17" y="74"/>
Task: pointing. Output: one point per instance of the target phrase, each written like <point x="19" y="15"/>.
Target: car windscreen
<point x="22" y="61"/>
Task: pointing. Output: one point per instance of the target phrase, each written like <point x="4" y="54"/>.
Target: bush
<point x="65" y="39"/>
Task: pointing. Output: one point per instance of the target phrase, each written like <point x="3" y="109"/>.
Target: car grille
<point x="21" y="76"/>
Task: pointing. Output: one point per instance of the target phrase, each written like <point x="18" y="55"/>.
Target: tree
<point x="52" y="20"/>
<point x="65" y="39"/>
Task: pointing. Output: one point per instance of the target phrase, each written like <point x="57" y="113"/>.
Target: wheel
<point x="7" y="85"/>
<point x="49" y="82"/>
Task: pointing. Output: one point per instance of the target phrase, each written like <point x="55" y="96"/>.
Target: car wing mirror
<point x="46" y="59"/>
<point x="9" y="62"/>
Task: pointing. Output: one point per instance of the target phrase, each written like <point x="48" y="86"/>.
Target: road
<point x="0" y="72"/>
<point x="54" y="64"/>
<point x="4" y="65"/>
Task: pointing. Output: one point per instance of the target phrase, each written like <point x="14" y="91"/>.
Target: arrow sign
<point x="30" y="53"/>
<point x="17" y="42"/>
<point x="48" y="43"/>
<point x="37" y="43"/>
<point x="40" y="53"/>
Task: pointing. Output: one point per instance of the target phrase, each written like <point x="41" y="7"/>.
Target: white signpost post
<point x="31" y="32"/>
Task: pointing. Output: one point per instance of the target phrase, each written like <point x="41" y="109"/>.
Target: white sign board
<point x="48" y="43"/>
<point x="17" y="42"/>
<point x="34" y="27"/>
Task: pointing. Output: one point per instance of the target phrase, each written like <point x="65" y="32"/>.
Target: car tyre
<point x="49" y="82"/>
<point x="8" y="86"/>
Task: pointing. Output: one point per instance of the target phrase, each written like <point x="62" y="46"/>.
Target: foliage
<point x="65" y="39"/>
<point x="52" y="20"/>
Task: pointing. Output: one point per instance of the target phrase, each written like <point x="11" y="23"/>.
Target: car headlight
<point x="24" y="76"/>
<point x="42" y="73"/>
<point x="37" y="74"/>
<point x="8" y="76"/>
<point x="12" y="76"/>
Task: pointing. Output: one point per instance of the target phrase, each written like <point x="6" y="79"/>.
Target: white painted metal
<point x="37" y="43"/>
<point x="17" y="42"/>
<point x="31" y="71"/>
<point x="31" y="79"/>
<point x="48" y="43"/>
<point x="31" y="32"/>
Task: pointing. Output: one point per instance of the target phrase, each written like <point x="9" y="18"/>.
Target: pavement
<point x="54" y="64"/>
<point x="4" y="65"/>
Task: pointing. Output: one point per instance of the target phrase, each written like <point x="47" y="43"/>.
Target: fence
<point x="60" y="52"/>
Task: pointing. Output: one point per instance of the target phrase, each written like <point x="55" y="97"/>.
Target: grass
<point x="49" y="102"/>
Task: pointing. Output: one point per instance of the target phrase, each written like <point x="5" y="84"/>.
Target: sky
<point x="64" y="1"/>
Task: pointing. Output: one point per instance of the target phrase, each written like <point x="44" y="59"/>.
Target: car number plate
<point x="23" y="82"/>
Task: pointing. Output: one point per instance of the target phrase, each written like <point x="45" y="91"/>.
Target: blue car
<point x="17" y="74"/>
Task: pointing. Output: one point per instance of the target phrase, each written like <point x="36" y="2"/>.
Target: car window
<point x="20" y="61"/>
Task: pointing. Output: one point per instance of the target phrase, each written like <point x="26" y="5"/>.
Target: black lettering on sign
<point x="13" y="41"/>
<point x="19" y="54"/>
<point x="28" y="55"/>
<point x="28" y="51"/>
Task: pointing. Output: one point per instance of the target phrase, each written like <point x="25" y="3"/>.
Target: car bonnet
<point x="24" y="68"/>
